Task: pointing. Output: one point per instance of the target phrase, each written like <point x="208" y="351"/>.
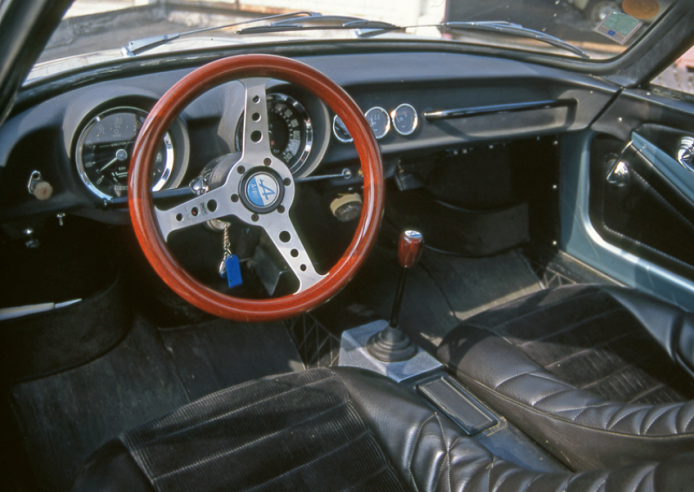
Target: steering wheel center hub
<point x="261" y="191"/>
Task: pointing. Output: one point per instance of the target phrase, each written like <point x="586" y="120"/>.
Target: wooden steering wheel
<point x="239" y="197"/>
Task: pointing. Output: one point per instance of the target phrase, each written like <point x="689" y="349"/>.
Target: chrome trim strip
<point x="496" y="109"/>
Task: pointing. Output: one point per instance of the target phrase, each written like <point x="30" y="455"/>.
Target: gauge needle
<point x="121" y="155"/>
<point x="110" y="163"/>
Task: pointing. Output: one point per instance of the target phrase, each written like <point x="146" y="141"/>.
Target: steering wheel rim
<point x="144" y="216"/>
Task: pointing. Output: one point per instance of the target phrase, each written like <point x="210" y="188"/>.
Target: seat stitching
<point x="231" y="412"/>
<point x="552" y="394"/>
<point x="563" y="301"/>
<point x="684" y="429"/>
<point x="655" y="388"/>
<point x="602" y="483"/>
<point x="583" y="408"/>
<point x="268" y="436"/>
<point x="623" y="417"/>
<point x="461" y="436"/>
<point x="573" y="325"/>
<point x="516" y="470"/>
<point x="448" y="454"/>
<point x="532" y="374"/>
<point x="414" y="448"/>
<point x="651" y="471"/>
<point x="547" y="376"/>
<point x="658" y="417"/>
<point x="532" y="480"/>
<point x="489" y="474"/>
<point x="319" y="458"/>
<point x="361" y="482"/>
<point x="620" y="370"/>
<point x="601" y="344"/>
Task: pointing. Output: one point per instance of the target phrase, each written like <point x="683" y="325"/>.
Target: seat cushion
<point x="417" y="448"/>
<point x="590" y="372"/>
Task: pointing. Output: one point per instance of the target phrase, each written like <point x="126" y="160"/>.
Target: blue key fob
<point x="233" y="271"/>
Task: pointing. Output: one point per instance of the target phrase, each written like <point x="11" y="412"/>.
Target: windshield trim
<point x="669" y="36"/>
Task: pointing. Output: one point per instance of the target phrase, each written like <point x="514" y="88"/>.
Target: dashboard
<point x="76" y="146"/>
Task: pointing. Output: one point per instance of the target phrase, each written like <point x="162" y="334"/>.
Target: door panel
<point x="639" y="231"/>
<point x="634" y="206"/>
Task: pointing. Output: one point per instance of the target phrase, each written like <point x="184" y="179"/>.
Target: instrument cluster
<point x="105" y="145"/>
<point x="104" y="141"/>
<point x="403" y="119"/>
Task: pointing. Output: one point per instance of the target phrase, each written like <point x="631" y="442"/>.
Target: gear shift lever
<point x="391" y="344"/>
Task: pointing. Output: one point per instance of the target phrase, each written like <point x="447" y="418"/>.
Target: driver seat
<point x="339" y="429"/>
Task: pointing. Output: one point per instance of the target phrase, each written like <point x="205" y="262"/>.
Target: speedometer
<point x="104" y="149"/>
<point x="290" y="129"/>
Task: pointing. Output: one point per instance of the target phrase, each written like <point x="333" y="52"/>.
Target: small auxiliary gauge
<point x="340" y="131"/>
<point x="404" y="119"/>
<point x="379" y="120"/>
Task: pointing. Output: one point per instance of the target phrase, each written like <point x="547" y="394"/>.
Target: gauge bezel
<point x="305" y="118"/>
<point x="388" y="125"/>
<point x="79" y="160"/>
<point x="339" y="138"/>
<point x="395" y="125"/>
<point x="308" y="124"/>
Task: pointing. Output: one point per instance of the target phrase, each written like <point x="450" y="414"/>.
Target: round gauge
<point x="379" y="120"/>
<point x="290" y="128"/>
<point x="104" y="149"/>
<point x="404" y="119"/>
<point x="340" y="131"/>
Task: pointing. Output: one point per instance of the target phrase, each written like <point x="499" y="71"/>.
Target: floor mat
<point x="65" y="417"/>
<point x="441" y="291"/>
<point x="220" y="354"/>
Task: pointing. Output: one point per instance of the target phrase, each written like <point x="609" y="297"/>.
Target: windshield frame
<point x="664" y="41"/>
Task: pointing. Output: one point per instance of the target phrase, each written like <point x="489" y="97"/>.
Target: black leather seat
<point x="342" y="429"/>
<point x="600" y="376"/>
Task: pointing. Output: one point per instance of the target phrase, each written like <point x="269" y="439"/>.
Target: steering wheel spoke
<point x="284" y="236"/>
<point x="256" y="131"/>
<point x="212" y="205"/>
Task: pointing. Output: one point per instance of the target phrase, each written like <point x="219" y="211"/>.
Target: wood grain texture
<point x="140" y="198"/>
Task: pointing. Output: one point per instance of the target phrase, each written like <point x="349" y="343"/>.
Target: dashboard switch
<point x="39" y="187"/>
<point x="346" y="207"/>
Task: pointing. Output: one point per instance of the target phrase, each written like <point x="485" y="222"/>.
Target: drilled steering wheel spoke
<point x="282" y="233"/>
<point x="256" y="133"/>
<point x="198" y="210"/>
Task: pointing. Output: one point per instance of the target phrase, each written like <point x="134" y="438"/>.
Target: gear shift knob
<point x="410" y="247"/>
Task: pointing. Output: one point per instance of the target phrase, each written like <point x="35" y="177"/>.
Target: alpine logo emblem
<point x="262" y="190"/>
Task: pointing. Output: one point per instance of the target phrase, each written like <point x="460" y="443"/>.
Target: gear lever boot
<point x="391" y="344"/>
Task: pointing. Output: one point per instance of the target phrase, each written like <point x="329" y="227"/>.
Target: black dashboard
<point x="417" y="103"/>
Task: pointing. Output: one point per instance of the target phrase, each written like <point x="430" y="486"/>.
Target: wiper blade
<point x="138" y="46"/>
<point x="518" y="30"/>
<point x="319" y="22"/>
<point x="492" y="26"/>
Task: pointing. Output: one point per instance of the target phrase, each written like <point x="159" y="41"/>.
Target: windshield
<point x="97" y="30"/>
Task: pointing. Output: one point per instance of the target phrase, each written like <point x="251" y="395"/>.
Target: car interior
<point x="367" y="265"/>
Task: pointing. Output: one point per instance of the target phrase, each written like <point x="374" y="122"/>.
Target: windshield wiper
<point x="320" y="22"/>
<point x="491" y="26"/>
<point x="139" y="46"/>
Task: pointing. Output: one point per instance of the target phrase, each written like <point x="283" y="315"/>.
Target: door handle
<point x="685" y="153"/>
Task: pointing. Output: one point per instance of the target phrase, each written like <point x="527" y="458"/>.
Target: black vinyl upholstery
<point x="424" y="448"/>
<point x="597" y="375"/>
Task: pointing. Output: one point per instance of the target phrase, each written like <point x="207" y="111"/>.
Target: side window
<point x="679" y="76"/>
